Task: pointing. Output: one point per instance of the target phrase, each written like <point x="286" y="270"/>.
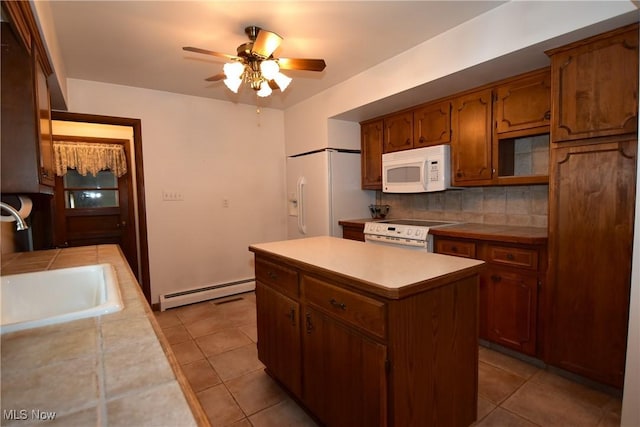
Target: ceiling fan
<point x="255" y="64"/>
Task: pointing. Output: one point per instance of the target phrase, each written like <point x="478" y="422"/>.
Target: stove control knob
<point x="378" y="228"/>
<point x="418" y="233"/>
<point x="409" y="232"/>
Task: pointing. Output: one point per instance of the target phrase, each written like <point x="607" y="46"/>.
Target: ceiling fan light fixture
<point x="265" y="90"/>
<point x="233" y="70"/>
<point x="233" y="84"/>
<point x="282" y="81"/>
<point x="269" y="69"/>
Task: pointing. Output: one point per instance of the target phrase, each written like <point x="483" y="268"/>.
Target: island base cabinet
<point x="279" y="336"/>
<point x="344" y="388"/>
<point x="355" y="358"/>
<point x="433" y="375"/>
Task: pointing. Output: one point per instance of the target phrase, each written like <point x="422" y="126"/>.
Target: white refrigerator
<point x="323" y="187"/>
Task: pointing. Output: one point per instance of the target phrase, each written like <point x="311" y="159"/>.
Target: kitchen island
<point x="114" y="369"/>
<point x="370" y="335"/>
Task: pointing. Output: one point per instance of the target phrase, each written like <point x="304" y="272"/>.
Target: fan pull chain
<point x="257" y="112"/>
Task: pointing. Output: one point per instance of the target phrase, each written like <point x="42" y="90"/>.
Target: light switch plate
<point x="172" y="196"/>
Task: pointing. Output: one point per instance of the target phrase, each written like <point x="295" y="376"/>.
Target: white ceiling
<point x="139" y="43"/>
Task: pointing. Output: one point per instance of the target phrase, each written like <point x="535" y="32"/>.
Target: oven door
<point x="415" y="245"/>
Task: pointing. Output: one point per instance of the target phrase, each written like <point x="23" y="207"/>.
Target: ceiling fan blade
<point x="266" y="43"/>
<point x="216" y="78"/>
<point x="273" y="85"/>
<point x="302" y="64"/>
<point x="209" y="52"/>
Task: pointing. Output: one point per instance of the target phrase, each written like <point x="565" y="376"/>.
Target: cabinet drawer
<point x="456" y="248"/>
<point x="361" y="311"/>
<point x="282" y="278"/>
<point x="515" y="257"/>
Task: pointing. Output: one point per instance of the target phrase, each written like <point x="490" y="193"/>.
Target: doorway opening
<point x="104" y="209"/>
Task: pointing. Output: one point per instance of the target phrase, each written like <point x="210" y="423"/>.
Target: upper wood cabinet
<point x="432" y="124"/>
<point x="427" y="125"/>
<point x="371" y="135"/>
<point x="522" y="111"/>
<point x="595" y="86"/>
<point x="524" y="103"/>
<point x="27" y="147"/>
<point x="398" y="132"/>
<point x="471" y="141"/>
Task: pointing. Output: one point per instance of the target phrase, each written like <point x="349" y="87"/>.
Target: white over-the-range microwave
<point x="420" y="170"/>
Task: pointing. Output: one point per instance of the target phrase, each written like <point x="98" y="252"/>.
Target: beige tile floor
<point x="215" y="343"/>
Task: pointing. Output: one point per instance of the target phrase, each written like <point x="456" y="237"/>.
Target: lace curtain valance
<point x="89" y="158"/>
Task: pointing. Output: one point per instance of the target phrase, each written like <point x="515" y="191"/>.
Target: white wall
<point x="209" y="151"/>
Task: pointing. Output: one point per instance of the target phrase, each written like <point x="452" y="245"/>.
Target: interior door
<point x="95" y="210"/>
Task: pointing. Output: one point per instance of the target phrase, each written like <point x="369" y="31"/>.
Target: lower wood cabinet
<point x="279" y="326"/>
<point x="509" y="289"/>
<point x="354" y="358"/>
<point x="347" y="387"/>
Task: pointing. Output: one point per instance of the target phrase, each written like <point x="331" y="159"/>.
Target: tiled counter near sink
<point x="115" y="369"/>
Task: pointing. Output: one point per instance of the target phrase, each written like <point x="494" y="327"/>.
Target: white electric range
<point x="404" y="233"/>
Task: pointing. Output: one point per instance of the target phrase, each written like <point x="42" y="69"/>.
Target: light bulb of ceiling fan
<point x="233" y="84"/>
<point x="282" y="81"/>
<point x="233" y="70"/>
<point x="269" y="69"/>
<point x="265" y="90"/>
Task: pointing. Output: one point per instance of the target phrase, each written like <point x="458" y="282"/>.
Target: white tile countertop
<point x="110" y="370"/>
<point x="387" y="271"/>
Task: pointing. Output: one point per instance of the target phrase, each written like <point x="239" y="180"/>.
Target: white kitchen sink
<point x="31" y="300"/>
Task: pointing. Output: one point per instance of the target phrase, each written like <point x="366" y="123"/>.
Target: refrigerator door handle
<point x="302" y="227"/>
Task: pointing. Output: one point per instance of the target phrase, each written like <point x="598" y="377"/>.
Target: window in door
<point x="90" y="192"/>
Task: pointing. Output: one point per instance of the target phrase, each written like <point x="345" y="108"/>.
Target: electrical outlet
<point x="225" y="203"/>
<point x="172" y="196"/>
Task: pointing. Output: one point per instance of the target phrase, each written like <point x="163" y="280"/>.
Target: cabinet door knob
<point x="496" y="278"/>
<point x="309" y="323"/>
<point x="292" y="315"/>
<point x="272" y="275"/>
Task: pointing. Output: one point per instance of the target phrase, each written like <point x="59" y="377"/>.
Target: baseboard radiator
<point x="190" y="296"/>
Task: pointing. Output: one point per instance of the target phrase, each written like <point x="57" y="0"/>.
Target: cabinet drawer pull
<point x="336" y="304"/>
<point x="272" y="275"/>
<point x="510" y="256"/>
<point x="454" y="249"/>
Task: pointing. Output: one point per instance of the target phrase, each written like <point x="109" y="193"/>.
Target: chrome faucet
<point x="20" y="223"/>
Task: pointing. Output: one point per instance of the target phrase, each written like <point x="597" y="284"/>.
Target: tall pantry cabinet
<point x="591" y="203"/>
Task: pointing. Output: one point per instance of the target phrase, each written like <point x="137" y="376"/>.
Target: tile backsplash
<point x="525" y="205"/>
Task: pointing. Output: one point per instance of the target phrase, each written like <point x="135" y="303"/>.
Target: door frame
<point x="136" y="125"/>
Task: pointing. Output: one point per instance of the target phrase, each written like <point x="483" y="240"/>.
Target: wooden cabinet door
<point x="524" y="103"/>
<point x="398" y="132"/>
<point x="595" y="87"/>
<point x="371" y="155"/>
<point x="591" y="209"/>
<point x="345" y="379"/>
<point x="471" y="139"/>
<point x="279" y="347"/>
<point x="514" y="303"/>
<point x="432" y="125"/>
<point x="45" y="134"/>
